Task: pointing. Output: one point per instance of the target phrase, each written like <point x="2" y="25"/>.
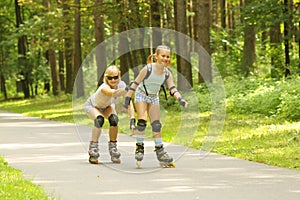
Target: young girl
<point x="147" y="102"/>
<point x="101" y="105"/>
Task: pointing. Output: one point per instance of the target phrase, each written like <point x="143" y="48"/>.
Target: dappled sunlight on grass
<point x="261" y="140"/>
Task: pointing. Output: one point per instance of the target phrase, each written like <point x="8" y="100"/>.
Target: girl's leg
<point x="110" y="114"/>
<point x="154" y="114"/>
<point x="163" y="157"/>
<point x="93" y="114"/>
<point x="98" y="119"/>
<point x="141" y="109"/>
<point x="112" y="117"/>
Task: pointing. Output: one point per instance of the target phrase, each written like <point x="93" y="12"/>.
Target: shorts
<point x="88" y="106"/>
<point x="140" y="96"/>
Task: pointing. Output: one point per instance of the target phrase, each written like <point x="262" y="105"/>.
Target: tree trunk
<point x="77" y="52"/>
<point x="275" y="45"/>
<point x="191" y="24"/>
<point x="215" y="14"/>
<point x="134" y="22"/>
<point x="185" y="82"/>
<point x="2" y="78"/>
<point x="99" y="37"/>
<point x="155" y="22"/>
<point x="249" y="46"/>
<point x="68" y="46"/>
<point x="223" y="18"/>
<point x="3" y="86"/>
<point x="202" y="16"/>
<point x="22" y="49"/>
<point x="248" y="50"/>
<point x="287" y="28"/>
<point x="61" y="70"/>
<point x="298" y="46"/>
<point x="51" y="56"/>
<point x="123" y="46"/>
<point x="230" y="16"/>
<point x="54" y="74"/>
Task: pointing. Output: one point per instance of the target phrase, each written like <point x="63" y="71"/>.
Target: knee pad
<point x="113" y="120"/>
<point x="99" y="121"/>
<point x="141" y="125"/>
<point x="156" y="126"/>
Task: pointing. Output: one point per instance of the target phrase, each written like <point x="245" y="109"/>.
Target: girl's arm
<point x="133" y="85"/>
<point x="113" y="92"/>
<point x="174" y="92"/>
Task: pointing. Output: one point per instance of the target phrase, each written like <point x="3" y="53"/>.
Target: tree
<point x="22" y="50"/>
<point x="223" y="17"/>
<point x="135" y="21"/>
<point x="77" y="51"/>
<point x="287" y="24"/>
<point x="275" y="48"/>
<point x="51" y="54"/>
<point x="155" y="22"/>
<point x="202" y="36"/>
<point x="99" y="37"/>
<point x="182" y="47"/>
<point x="298" y="36"/>
<point x="68" y="46"/>
<point x="123" y="47"/>
<point x="249" y="44"/>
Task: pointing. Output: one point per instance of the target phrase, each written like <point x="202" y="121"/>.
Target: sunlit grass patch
<point x="259" y="139"/>
<point x="14" y="186"/>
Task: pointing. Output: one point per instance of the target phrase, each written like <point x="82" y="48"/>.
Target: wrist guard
<point x="182" y="101"/>
<point x="126" y="102"/>
<point x="132" y="123"/>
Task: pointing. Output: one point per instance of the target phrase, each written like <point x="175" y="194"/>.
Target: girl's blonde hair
<point x="150" y="58"/>
<point x="110" y="71"/>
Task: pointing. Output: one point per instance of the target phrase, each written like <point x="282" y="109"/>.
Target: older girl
<point x="147" y="102"/>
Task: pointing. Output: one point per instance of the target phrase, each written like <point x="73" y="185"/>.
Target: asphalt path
<point x="54" y="155"/>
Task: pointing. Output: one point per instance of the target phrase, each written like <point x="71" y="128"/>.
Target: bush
<point x="289" y="107"/>
<point x="269" y="98"/>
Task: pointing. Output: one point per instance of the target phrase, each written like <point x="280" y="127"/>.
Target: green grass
<point x="260" y="139"/>
<point x="14" y="186"/>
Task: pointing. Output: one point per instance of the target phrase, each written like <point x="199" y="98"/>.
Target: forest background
<point x="253" y="43"/>
<point x="43" y="43"/>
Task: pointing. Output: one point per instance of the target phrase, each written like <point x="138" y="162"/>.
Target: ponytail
<point x="150" y="59"/>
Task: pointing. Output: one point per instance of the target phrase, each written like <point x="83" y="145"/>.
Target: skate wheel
<point x="172" y="165"/>
<point x="167" y="165"/>
<point x="93" y="160"/>
<point x="116" y="160"/>
<point x="138" y="164"/>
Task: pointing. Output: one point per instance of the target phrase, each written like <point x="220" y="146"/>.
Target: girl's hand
<point x="183" y="102"/>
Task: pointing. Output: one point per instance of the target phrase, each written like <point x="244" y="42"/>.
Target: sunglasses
<point x="112" y="77"/>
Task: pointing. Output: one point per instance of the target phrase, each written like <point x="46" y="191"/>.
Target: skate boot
<point x="114" y="153"/>
<point x="164" y="159"/>
<point x="93" y="152"/>
<point x="139" y="154"/>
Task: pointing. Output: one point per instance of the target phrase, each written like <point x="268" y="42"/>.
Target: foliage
<point x="266" y="97"/>
<point x="226" y="61"/>
<point x="14" y="186"/>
